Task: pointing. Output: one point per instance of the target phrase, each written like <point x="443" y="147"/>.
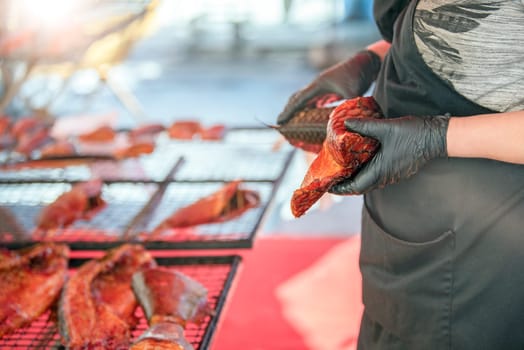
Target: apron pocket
<point x="406" y="285"/>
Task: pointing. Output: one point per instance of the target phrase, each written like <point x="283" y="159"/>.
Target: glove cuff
<point x="438" y="136"/>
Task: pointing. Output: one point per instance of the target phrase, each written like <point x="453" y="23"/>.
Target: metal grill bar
<point x="230" y="163"/>
<point x="155" y="167"/>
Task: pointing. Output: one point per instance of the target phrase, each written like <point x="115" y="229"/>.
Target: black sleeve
<point x="385" y="13"/>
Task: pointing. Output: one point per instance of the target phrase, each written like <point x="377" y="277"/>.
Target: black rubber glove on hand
<point x="406" y="144"/>
<point x="347" y="79"/>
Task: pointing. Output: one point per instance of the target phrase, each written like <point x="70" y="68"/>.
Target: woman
<point x="442" y="256"/>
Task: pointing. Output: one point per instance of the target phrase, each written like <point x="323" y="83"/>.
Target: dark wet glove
<point x="406" y="144"/>
<point x="347" y="79"/>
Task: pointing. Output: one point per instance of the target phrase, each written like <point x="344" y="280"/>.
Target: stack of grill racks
<point x="139" y="194"/>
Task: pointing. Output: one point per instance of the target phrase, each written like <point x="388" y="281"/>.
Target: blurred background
<point x="224" y="60"/>
<point x="219" y="61"/>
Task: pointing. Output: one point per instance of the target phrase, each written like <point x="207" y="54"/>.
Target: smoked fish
<point x="30" y="282"/>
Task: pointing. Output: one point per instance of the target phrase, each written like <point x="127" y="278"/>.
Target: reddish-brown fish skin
<point x="147" y="132"/>
<point x="307" y="129"/>
<point x="229" y="202"/>
<point x="184" y="129"/>
<point x="169" y="300"/>
<point x="30" y="141"/>
<point x="97" y="302"/>
<point x="30" y="281"/>
<point x="27" y="125"/>
<point x="81" y="202"/>
<point x="104" y="133"/>
<point x="58" y="149"/>
<point x="342" y="155"/>
<point x="5" y="123"/>
<point x="163" y="336"/>
<point x="135" y="149"/>
<point x="214" y="132"/>
<point x="167" y="295"/>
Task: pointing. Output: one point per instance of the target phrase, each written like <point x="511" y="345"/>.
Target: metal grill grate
<point x="214" y="273"/>
<point x="153" y="167"/>
<point x="176" y="174"/>
<point x="238" y="232"/>
<point x="226" y="163"/>
<point x="20" y="205"/>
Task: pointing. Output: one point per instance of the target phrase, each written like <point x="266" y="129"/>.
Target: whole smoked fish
<point x="342" y="154"/>
<point x="30" y="282"/>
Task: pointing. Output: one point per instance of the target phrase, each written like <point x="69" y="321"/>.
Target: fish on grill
<point x="27" y="125"/>
<point x="97" y="303"/>
<point x="5" y="123"/>
<point x="170" y="300"/>
<point x="81" y="202"/>
<point x="214" y="132"/>
<point x="29" y="142"/>
<point x="227" y="203"/>
<point x="104" y="133"/>
<point x="135" y="149"/>
<point x="62" y="148"/>
<point x="162" y="336"/>
<point x="342" y="154"/>
<point x="30" y="282"/>
<point x="146" y="132"/>
<point x="184" y="129"/>
<point x="167" y="295"/>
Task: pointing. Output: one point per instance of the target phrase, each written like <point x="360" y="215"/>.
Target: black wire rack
<point x="227" y="162"/>
<point x="154" y="167"/>
<point x="215" y="273"/>
<point x="21" y="204"/>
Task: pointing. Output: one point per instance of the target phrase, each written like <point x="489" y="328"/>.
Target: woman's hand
<point x="347" y="79"/>
<point x="406" y="144"/>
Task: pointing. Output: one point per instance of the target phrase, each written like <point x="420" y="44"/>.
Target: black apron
<point x="442" y="256"/>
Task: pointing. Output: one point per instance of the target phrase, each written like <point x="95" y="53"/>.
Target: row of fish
<point x="96" y="304"/>
<point x="85" y="200"/>
<point x="31" y="138"/>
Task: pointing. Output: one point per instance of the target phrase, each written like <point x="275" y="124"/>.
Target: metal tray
<point x="20" y="205"/>
<point x="216" y="273"/>
<point x="235" y="233"/>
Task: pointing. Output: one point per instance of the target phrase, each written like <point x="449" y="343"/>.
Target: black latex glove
<point x="347" y="79"/>
<point x="406" y="145"/>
